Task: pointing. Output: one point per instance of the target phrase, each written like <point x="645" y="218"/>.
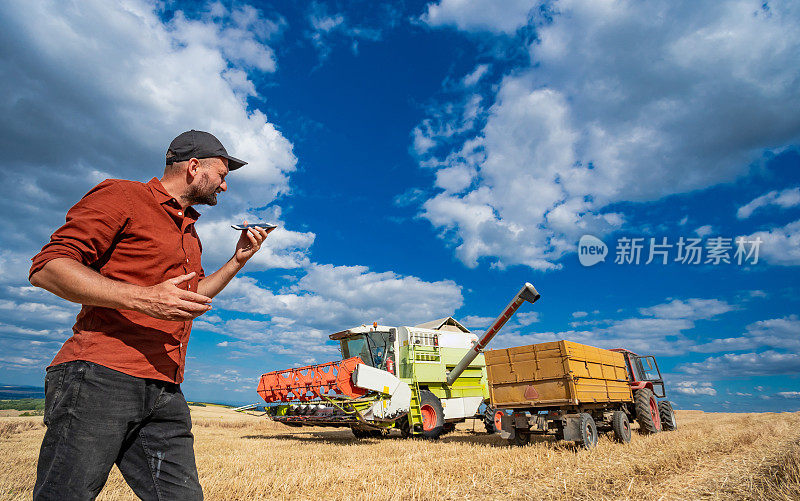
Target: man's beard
<point x="201" y="193"/>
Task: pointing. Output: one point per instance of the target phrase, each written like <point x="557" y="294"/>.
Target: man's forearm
<point x="75" y="282"/>
<point x="212" y="284"/>
<point x="71" y="280"/>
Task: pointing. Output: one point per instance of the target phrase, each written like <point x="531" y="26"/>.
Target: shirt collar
<point x="162" y="196"/>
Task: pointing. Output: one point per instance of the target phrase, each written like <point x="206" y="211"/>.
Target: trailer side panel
<point x="555" y="374"/>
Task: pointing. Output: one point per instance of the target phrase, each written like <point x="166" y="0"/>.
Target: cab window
<point x="356" y="347"/>
<point x="374" y="349"/>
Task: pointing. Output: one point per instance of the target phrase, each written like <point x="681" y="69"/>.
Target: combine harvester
<point x="421" y="380"/>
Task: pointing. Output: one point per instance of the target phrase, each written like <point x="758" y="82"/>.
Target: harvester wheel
<point x="404" y="425"/>
<point x="621" y="427"/>
<point x="359" y="433"/>
<point x="647" y="413"/>
<point x="369" y="433"/>
<point x="667" y="414"/>
<point x="432" y="415"/>
<point x="588" y="431"/>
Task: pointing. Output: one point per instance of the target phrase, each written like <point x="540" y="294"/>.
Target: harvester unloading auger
<point x="421" y="380"/>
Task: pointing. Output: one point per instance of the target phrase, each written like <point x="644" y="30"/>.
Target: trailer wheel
<point x="621" y="427"/>
<point x="559" y="431"/>
<point x="588" y="431"/>
<point x="667" y="415"/>
<point x="520" y="439"/>
<point x="647" y="413"/>
<point x="432" y="415"/>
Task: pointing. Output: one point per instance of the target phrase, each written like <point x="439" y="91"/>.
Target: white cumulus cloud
<point x="688" y="309"/>
<point x="742" y="365"/>
<point x="326" y="27"/>
<point x="783" y="199"/>
<point x="624" y="102"/>
<point x="479" y="15"/>
<point x="336" y="297"/>
<point x="783" y="333"/>
<point x="99" y="89"/>
<point x="779" y="245"/>
<point x="693" y="388"/>
<point x="298" y="319"/>
<point x="660" y="329"/>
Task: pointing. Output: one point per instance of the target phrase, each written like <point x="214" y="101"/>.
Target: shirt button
<point x="180" y="213"/>
<point x="187" y="259"/>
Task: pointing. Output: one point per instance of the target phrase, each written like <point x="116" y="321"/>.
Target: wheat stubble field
<point x="710" y="456"/>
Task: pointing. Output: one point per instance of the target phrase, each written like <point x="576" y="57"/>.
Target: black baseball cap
<point x="199" y="144"/>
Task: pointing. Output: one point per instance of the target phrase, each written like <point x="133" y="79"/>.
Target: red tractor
<point x="647" y="385"/>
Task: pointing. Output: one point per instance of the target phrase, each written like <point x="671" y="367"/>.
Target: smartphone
<point x="266" y="226"/>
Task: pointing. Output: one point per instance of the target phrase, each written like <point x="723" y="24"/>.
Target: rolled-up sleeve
<point x="91" y="227"/>
<point x="202" y="273"/>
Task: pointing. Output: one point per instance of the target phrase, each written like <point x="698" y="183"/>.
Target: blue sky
<point x="425" y="159"/>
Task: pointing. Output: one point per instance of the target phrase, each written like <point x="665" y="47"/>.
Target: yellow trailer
<point x="560" y="387"/>
<point x="556" y="373"/>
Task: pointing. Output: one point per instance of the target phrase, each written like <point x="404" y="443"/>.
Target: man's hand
<point x="167" y="301"/>
<point x="249" y="243"/>
<point x="75" y="282"/>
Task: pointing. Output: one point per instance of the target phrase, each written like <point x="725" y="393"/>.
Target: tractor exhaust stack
<point x="527" y="293"/>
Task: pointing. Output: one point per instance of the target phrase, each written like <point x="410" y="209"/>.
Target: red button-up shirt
<point x="135" y="233"/>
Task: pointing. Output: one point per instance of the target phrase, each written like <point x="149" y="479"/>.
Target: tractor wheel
<point x="667" y="415"/>
<point x="588" y="431"/>
<point x="432" y="415"/>
<point x="621" y="427"/>
<point x="647" y="411"/>
<point x="491" y="420"/>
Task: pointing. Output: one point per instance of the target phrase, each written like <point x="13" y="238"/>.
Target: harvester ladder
<point x="415" y="413"/>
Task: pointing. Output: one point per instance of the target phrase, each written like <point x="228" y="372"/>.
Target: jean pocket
<point x="53" y="389"/>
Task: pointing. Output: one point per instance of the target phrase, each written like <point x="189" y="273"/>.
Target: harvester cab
<point x="421" y="380"/>
<point x="374" y="345"/>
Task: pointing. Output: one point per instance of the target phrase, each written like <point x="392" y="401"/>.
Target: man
<point x="130" y="255"/>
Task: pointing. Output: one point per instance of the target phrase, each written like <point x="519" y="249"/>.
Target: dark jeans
<point x="97" y="417"/>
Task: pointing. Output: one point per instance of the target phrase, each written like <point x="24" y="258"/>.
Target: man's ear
<point x="192" y="168"/>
